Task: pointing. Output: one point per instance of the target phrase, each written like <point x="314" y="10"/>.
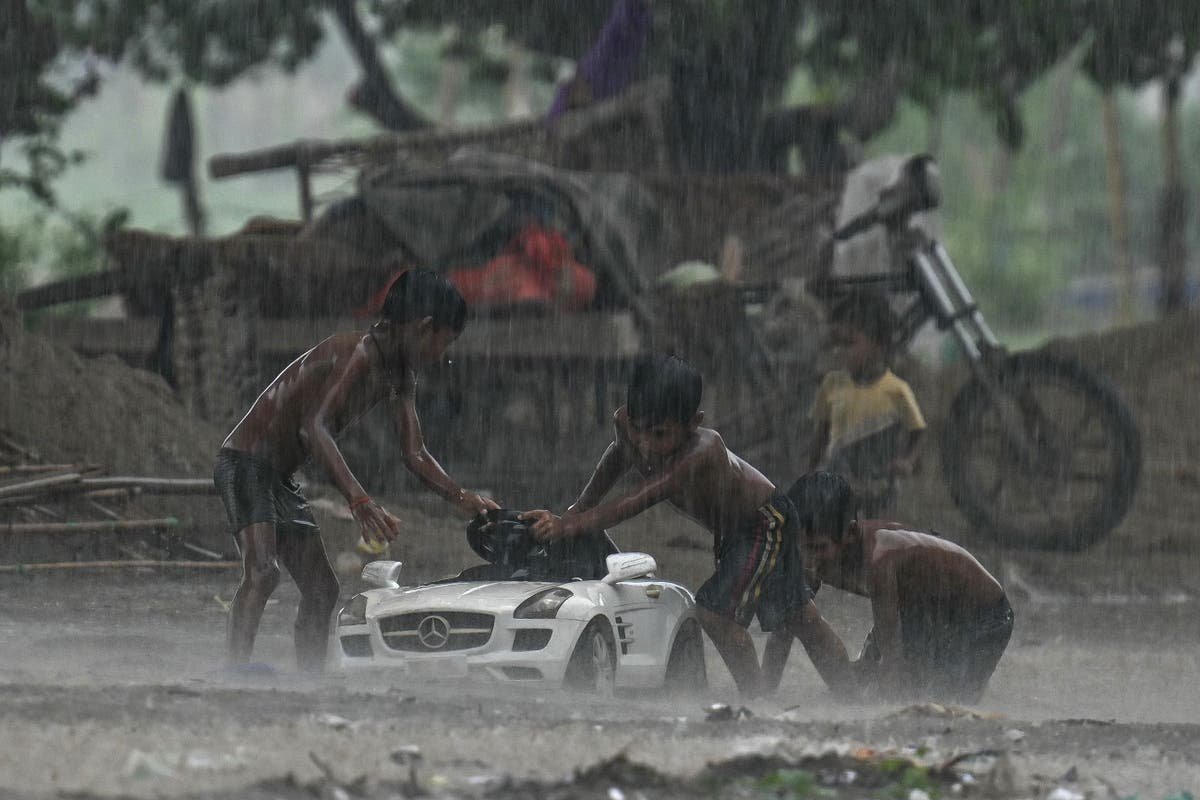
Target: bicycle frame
<point x="941" y="294"/>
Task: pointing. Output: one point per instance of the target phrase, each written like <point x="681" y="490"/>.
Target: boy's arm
<point x="650" y="491"/>
<point x="419" y="461"/>
<point x="914" y="423"/>
<point x="885" y="609"/>
<point x="824" y="649"/>
<point x="906" y="463"/>
<point x="612" y="465"/>
<point x="376" y="523"/>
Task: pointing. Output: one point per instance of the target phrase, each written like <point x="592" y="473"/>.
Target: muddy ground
<point x="110" y="683"/>
<point x="114" y="688"/>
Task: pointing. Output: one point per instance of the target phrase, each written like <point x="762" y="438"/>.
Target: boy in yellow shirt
<point x="868" y="424"/>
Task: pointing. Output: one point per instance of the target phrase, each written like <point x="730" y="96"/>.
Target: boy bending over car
<point x="758" y="567"/>
<point x="297" y="417"/>
<point x="941" y="620"/>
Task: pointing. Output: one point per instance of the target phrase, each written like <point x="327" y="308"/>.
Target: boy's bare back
<point x="929" y="571"/>
<point x="275" y="426"/>
<point x="706" y="481"/>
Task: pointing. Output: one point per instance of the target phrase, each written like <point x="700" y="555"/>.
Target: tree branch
<point x="374" y="94"/>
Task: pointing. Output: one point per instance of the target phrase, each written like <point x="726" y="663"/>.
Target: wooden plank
<point x="152" y="485"/>
<point x="583" y="336"/>
<point x="125" y="337"/>
<point x="70" y="290"/>
<point x="89" y="526"/>
<point x="38" y="485"/>
<point x="56" y="566"/>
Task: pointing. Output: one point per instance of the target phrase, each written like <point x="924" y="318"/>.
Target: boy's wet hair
<point x="420" y="293"/>
<point x="869" y="312"/>
<point x="825" y="504"/>
<point x="663" y="388"/>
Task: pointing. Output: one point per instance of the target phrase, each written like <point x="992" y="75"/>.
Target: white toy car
<point x="575" y="614"/>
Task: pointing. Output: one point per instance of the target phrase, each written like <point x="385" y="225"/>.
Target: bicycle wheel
<point x="1050" y="458"/>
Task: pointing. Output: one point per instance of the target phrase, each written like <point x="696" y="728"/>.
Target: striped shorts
<point x="759" y="570"/>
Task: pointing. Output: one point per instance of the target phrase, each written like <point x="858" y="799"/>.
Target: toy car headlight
<point x="355" y="612"/>
<point x="543" y="605"/>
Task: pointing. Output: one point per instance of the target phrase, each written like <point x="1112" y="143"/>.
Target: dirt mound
<point x="61" y="408"/>
<point x="1155" y="368"/>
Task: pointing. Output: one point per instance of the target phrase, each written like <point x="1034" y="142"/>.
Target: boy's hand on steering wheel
<point x="547" y="526"/>
<point x="474" y="505"/>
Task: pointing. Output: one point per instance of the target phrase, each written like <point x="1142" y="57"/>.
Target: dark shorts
<point x="252" y="491"/>
<point x="759" y="570"/>
<point x="953" y="658"/>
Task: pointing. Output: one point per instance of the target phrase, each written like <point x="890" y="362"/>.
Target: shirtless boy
<point x="758" y="567"/>
<point x="941" y="621"/>
<point x="299" y="416"/>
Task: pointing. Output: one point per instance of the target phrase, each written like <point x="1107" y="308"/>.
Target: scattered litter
<point x="1014" y="734"/>
<point x="204" y="761"/>
<point x="406" y="754"/>
<point x="1063" y="793"/>
<point x="615" y="794"/>
<point x="141" y="765"/>
<point x="945" y="711"/>
<point x="723" y="712"/>
<point x="918" y="794"/>
<point x="1071" y="775"/>
<point x="224" y="604"/>
<point x="335" y="722"/>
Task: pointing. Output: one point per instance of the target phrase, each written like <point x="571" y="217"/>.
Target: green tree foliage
<point x="31" y="105"/>
<point x="729" y="61"/>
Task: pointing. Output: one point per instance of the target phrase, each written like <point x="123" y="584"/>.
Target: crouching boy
<point x="758" y="567"/>
<point x="941" y="621"/>
<point x="298" y="417"/>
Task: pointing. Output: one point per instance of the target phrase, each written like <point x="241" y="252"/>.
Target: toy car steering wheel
<point x="500" y="537"/>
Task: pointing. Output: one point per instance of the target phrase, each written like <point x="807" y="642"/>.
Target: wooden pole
<point x="151" y="485"/>
<point x="39" y="485"/>
<point x="29" y="469"/>
<point x="90" y="526"/>
<point x="86" y="565"/>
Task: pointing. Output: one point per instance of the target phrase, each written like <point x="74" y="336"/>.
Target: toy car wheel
<point x="686" y="671"/>
<point x="593" y="665"/>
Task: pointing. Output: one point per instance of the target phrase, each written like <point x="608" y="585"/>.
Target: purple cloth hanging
<point x="608" y="67"/>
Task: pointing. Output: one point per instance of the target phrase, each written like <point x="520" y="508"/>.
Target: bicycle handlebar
<point x="857" y="225"/>
<point x="915" y="189"/>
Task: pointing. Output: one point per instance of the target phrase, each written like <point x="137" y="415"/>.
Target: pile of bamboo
<point x="44" y="499"/>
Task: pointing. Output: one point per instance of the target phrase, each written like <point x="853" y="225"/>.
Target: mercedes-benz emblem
<point x="434" y="632"/>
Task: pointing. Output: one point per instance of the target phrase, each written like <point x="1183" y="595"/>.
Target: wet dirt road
<point x="112" y="687"/>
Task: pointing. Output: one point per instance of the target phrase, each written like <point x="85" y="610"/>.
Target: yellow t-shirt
<point x="855" y="412"/>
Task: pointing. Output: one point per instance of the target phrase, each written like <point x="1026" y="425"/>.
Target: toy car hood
<point x="460" y="596"/>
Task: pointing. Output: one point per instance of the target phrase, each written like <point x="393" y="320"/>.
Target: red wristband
<point x="359" y="501"/>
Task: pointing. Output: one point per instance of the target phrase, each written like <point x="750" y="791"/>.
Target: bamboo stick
<point x="152" y="485"/>
<point x="26" y="469"/>
<point x="200" y="551"/>
<point x="89" y="526"/>
<point x="85" y="565"/>
<point x="64" y="492"/>
<point x="39" y="485"/>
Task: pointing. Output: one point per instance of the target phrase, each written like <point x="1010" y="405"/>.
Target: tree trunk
<point x="722" y="74"/>
<point x="517" y="104"/>
<point x="451" y="81"/>
<point x="1118" y="212"/>
<point x="374" y="94"/>
<point x="1172" y="212"/>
